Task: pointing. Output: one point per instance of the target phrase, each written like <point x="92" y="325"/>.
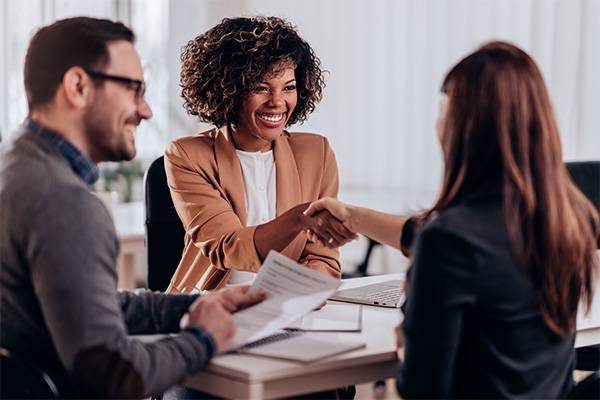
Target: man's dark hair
<point x="66" y="43"/>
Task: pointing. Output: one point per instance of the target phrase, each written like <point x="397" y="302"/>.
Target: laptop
<point x="383" y="294"/>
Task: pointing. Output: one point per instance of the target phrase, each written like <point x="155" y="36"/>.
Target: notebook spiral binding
<point x="272" y="338"/>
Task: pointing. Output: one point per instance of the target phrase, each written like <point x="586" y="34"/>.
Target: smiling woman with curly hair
<point x="241" y="188"/>
<point x="221" y="68"/>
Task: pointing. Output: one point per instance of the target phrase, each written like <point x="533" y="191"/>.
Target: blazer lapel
<point x="230" y="172"/>
<point x="289" y="191"/>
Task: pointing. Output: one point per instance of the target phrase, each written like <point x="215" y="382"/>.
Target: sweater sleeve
<point x="72" y="255"/>
<point x="147" y="312"/>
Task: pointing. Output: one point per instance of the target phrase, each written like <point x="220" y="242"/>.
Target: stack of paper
<point x="331" y="318"/>
<point x="293" y="292"/>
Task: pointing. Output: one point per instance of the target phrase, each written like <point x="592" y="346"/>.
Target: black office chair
<point x="589" y="388"/>
<point x="22" y="379"/>
<point x="361" y="269"/>
<point x="164" y="230"/>
<point x="586" y="175"/>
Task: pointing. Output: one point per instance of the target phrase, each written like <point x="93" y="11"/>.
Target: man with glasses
<point x="58" y="246"/>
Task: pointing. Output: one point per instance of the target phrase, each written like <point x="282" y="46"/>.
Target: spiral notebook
<point x="299" y="346"/>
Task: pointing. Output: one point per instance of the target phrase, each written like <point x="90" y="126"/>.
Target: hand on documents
<point x="293" y="291"/>
<point x="213" y="312"/>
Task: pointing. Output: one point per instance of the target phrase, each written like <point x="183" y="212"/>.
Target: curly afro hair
<point x="221" y="67"/>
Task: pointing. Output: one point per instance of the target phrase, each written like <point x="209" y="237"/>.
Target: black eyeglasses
<point x="140" y="86"/>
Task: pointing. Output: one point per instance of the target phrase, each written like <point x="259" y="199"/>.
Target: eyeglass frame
<point x="140" y="88"/>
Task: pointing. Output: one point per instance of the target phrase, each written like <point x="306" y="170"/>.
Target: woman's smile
<point x="263" y="117"/>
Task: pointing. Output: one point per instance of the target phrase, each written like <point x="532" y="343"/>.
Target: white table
<point x="251" y="377"/>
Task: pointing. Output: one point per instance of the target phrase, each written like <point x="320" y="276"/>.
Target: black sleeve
<point x="440" y="289"/>
<point x="408" y="234"/>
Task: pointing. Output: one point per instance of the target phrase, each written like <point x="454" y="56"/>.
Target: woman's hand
<point x="325" y="229"/>
<point x="278" y="233"/>
<point x="333" y="228"/>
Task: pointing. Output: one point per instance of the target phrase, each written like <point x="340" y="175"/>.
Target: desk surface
<point x="253" y="377"/>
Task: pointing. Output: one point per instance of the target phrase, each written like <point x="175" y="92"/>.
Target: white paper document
<point x="293" y="291"/>
<point x="331" y="318"/>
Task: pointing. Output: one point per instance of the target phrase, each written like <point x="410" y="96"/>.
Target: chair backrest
<point x="586" y="175"/>
<point x="164" y="230"/>
<point x="22" y="379"/>
<point x="589" y="388"/>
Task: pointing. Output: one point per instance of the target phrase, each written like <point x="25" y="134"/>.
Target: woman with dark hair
<point x="239" y="188"/>
<point x="502" y="259"/>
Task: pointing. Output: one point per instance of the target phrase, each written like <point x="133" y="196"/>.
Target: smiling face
<point x="111" y="121"/>
<point x="262" y="117"/>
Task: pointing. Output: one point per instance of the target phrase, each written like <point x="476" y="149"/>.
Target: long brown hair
<point x="500" y="125"/>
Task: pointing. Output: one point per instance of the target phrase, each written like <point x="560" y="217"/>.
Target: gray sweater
<point x="58" y="300"/>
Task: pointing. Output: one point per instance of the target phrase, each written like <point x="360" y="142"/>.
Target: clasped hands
<point x="326" y="222"/>
<point x="338" y="227"/>
<point x="331" y="224"/>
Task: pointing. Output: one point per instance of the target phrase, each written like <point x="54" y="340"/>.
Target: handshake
<point x="327" y="222"/>
<point x="330" y="223"/>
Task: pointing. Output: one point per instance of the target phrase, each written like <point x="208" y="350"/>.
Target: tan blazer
<point x="205" y="178"/>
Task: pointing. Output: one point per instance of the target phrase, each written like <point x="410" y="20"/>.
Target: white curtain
<point x="20" y="19"/>
<point x="385" y="61"/>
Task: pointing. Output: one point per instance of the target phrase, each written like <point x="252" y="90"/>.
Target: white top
<point x="260" y="188"/>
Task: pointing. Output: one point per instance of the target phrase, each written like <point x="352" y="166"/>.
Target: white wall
<point x="386" y="59"/>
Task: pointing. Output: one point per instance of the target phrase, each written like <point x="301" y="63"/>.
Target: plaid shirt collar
<point x="80" y="162"/>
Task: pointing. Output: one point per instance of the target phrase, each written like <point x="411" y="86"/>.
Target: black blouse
<point x="472" y="325"/>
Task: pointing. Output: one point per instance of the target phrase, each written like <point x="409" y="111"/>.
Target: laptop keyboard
<point x="384" y="296"/>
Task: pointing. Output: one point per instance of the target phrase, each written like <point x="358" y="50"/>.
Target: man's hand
<point x="213" y="312"/>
